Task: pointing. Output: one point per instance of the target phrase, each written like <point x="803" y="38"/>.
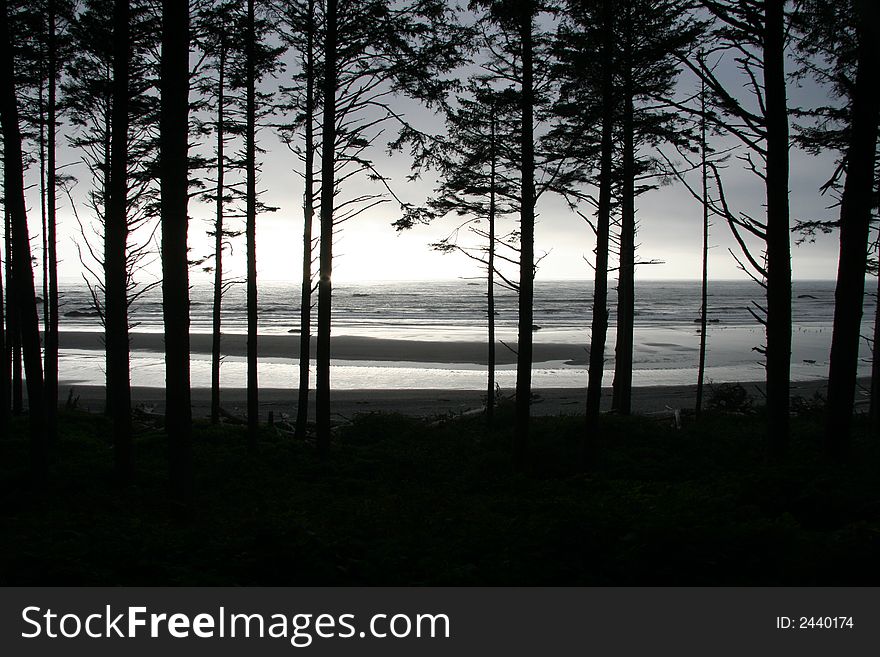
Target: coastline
<point x="344" y="347"/>
<point x="426" y="402"/>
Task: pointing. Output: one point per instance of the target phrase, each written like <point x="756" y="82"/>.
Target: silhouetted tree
<point x="754" y="33"/>
<point x="219" y="38"/>
<point x="874" y="407"/>
<point x="520" y="42"/>
<point x="704" y="271"/>
<point x="259" y="60"/>
<point x="5" y="364"/>
<point x="13" y="334"/>
<point x="651" y="36"/>
<point x="25" y="295"/>
<point x="115" y="248"/>
<point x="253" y="406"/>
<point x="174" y="133"/>
<point x="587" y="54"/>
<point x="59" y="14"/>
<point x="44" y="42"/>
<point x="300" y="26"/>
<point x="845" y="35"/>
<point x="372" y="49"/>
<point x="107" y="92"/>
<point x="476" y="164"/>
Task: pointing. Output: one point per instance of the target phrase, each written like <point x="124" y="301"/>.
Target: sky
<point x="369" y="249"/>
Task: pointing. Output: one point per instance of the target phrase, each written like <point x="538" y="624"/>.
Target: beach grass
<point x="404" y="500"/>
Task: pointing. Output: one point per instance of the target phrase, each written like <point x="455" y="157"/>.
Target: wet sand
<point x="344" y="347"/>
<point x="423" y="403"/>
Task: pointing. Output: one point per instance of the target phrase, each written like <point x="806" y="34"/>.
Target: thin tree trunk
<point x="527" y="249"/>
<point x="778" y="354"/>
<point x="116" y="340"/>
<point x="621" y="399"/>
<point x="704" y="281"/>
<point x="855" y="221"/>
<point x="218" y="241"/>
<point x="490" y="291"/>
<point x="107" y="193"/>
<point x="6" y="358"/>
<point x="328" y="135"/>
<point x="173" y="126"/>
<point x="305" y="312"/>
<point x="44" y="269"/>
<point x="599" y="329"/>
<point x="51" y="337"/>
<point x="253" y="400"/>
<point x="25" y="293"/>
<point x="5" y="370"/>
<point x="874" y="410"/>
<point x="13" y="334"/>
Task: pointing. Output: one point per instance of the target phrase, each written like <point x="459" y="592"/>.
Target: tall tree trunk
<point x="173" y="127"/>
<point x="253" y="400"/>
<point x="13" y="334"/>
<point x="704" y="280"/>
<point x="305" y="307"/>
<point x="874" y="410"/>
<point x="599" y="328"/>
<point x="325" y="289"/>
<point x="490" y="283"/>
<point x="621" y="400"/>
<point x="855" y="221"/>
<point x="5" y="369"/>
<point x="44" y="228"/>
<point x="116" y="340"/>
<point x="25" y="293"/>
<point x="218" y="239"/>
<point x="527" y="247"/>
<point x="778" y="354"/>
<point x="107" y="144"/>
<point x="51" y="335"/>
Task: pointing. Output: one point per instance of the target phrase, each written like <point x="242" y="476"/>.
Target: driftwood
<point x="231" y="418"/>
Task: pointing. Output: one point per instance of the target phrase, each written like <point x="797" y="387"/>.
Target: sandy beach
<point x="425" y="402"/>
<point x="344" y="347"/>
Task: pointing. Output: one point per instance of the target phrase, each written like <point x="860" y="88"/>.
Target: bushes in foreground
<point x="408" y="501"/>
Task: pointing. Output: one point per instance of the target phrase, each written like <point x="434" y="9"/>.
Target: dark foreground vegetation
<point x="408" y="501"/>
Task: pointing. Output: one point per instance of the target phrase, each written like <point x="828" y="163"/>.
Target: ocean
<point x="666" y="332"/>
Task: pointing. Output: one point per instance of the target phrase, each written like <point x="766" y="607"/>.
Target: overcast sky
<point x="368" y="248"/>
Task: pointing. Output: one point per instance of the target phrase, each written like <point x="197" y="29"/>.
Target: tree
<point x="259" y="60"/>
<point x="25" y="296"/>
<point x="524" y="346"/>
<point x="754" y="34"/>
<point x="217" y="31"/>
<point x="845" y="35"/>
<point x="588" y="98"/>
<point x="174" y="132"/>
<point x="300" y="31"/>
<point x="13" y="334"/>
<point x="59" y="14"/>
<point x="253" y="407"/>
<point x="518" y="45"/>
<point x="328" y="185"/>
<point x="109" y="101"/>
<point x="704" y="277"/>
<point x="49" y="20"/>
<point x="476" y="166"/>
<point x="5" y="366"/>
<point x="874" y="407"/>
<point x="372" y="50"/>
<point x="651" y="38"/>
<point x="115" y="249"/>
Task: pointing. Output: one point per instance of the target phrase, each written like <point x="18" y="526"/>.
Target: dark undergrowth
<point x="408" y="501"/>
